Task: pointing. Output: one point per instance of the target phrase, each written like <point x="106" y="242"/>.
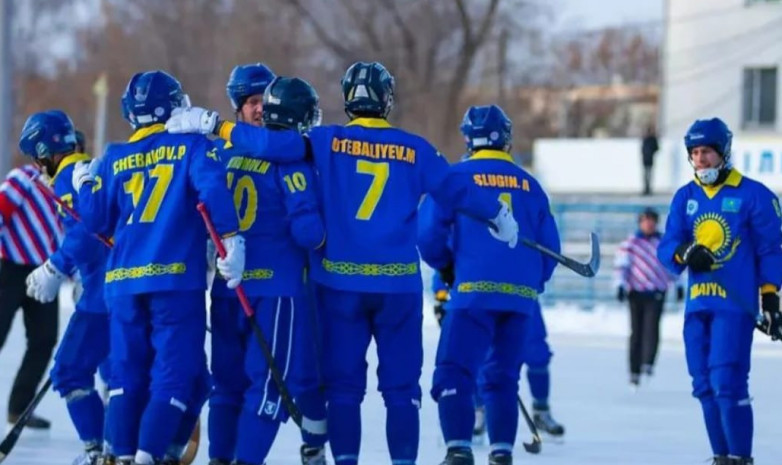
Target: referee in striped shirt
<point x="30" y="232"/>
<point x="643" y="281"/>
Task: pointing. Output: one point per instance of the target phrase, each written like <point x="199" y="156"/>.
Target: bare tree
<point x="430" y="47"/>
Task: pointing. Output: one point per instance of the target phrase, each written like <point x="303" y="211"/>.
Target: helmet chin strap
<point x="712" y="176"/>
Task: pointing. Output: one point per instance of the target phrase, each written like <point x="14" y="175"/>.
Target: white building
<point x="722" y="58"/>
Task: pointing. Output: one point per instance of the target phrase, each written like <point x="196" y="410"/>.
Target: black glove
<point x="447" y="275"/>
<point x="696" y="256"/>
<point x="679" y="293"/>
<point x="620" y="294"/>
<point x="772" y="318"/>
<point x="439" y="312"/>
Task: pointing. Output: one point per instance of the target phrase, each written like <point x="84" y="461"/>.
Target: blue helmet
<point x="247" y="80"/>
<point x="712" y="133"/>
<point x="46" y="134"/>
<point x="81" y="141"/>
<point x="290" y="103"/>
<point x="150" y="97"/>
<point x="368" y="90"/>
<point x="486" y="127"/>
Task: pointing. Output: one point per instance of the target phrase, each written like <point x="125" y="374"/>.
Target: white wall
<point x="613" y="166"/>
<point x="708" y="43"/>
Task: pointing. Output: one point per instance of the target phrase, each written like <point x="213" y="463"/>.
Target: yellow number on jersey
<point x="244" y="186"/>
<point x="505" y="197"/>
<point x="296" y="182"/>
<point x="163" y="173"/>
<point x="67" y="199"/>
<point x="379" y="172"/>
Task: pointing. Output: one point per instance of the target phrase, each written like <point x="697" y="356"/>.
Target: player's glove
<point x="439" y="312"/>
<point x="679" y="293"/>
<point x="232" y="266"/>
<point x="83" y="172"/>
<point x="192" y="120"/>
<point x="620" y="294"/>
<point x="505" y="227"/>
<point x="772" y="318"/>
<point x="696" y="256"/>
<point x="43" y="283"/>
<point x="447" y="275"/>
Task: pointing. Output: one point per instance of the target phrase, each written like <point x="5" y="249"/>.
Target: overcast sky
<point x="592" y="14"/>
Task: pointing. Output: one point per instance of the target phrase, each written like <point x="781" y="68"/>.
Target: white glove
<point x="507" y="228"/>
<point x="192" y="119"/>
<point x="211" y="255"/>
<point x="83" y="172"/>
<point x="232" y="266"/>
<point x="43" y="283"/>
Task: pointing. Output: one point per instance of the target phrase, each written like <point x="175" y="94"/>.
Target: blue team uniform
<point x="85" y="344"/>
<point x="144" y="195"/>
<point x="280" y="220"/>
<point x="739" y="222"/>
<point x="493" y="298"/>
<point x="371" y="177"/>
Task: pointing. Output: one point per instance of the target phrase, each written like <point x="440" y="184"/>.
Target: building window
<point x="760" y="98"/>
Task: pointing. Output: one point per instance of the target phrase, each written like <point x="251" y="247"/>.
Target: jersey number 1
<point x="135" y="187"/>
<point x="379" y="173"/>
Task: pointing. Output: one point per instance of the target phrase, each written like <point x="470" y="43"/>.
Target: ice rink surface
<point x="607" y="424"/>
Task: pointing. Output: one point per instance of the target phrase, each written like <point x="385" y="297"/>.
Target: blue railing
<point x="613" y="222"/>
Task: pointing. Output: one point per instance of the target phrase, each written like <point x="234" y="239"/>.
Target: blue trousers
<point x="157" y="360"/>
<point x="246" y="404"/>
<point x="494" y="349"/>
<point x="84" y="347"/>
<point x="718" y="346"/>
<point x="350" y="321"/>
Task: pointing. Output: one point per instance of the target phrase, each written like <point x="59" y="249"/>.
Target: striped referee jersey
<point x="30" y="230"/>
<point x="636" y="265"/>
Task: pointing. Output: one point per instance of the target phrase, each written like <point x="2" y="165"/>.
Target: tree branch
<point x="364" y="23"/>
<point x="408" y="39"/>
<point x="464" y="18"/>
<point x="320" y="31"/>
<point x="487" y="21"/>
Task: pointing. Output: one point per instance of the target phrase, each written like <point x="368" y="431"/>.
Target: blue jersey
<point x="739" y="221"/>
<point x="489" y="275"/>
<point x="279" y="219"/>
<point x="80" y="250"/>
<point x="145" y="195"/>
<point x="371" y="179"/>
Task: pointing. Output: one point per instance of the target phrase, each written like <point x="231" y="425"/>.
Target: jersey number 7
<point x="162" y="173"/>
<point x="379" y="173"/>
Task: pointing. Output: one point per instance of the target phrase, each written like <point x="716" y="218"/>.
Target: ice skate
<point x="88" y="457"/>
<point x="500" y="459"/>
<point x="313" y="455"/>
<point x="458" y="456"/>
<point x="739" y="460"/>
<point x="546" y="423"/>
<point x="721" y="460"/>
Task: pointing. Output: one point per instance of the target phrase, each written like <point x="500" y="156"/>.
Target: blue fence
<point x="613" y="221"/>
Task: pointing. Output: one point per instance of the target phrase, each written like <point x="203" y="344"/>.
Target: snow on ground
<point x="606" y="423"/>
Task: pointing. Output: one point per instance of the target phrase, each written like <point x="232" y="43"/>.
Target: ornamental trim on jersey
<point x="498" y="287"/>
<point x="145" y="271"/>
<point x="370" y="269"/>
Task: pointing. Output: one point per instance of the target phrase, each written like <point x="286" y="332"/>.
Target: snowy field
<point x="606" y="423"/>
